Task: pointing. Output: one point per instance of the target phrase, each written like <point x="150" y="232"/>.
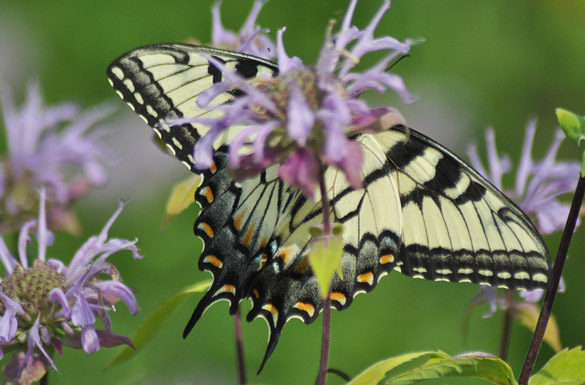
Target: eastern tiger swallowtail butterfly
<point x="423" y="211"/>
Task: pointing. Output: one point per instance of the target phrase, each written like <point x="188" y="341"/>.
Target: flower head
<point x="306" y="115"/>
<point x="251" y="39"/>
<point x="47" y="304"/>
<point x="50" y="147"/>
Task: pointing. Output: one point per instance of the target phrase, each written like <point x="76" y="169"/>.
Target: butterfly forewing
<point x="163" y="82"/>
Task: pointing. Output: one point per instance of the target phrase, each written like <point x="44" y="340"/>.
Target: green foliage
<point x="573" y="126"/>
<point x="181" y="196"/>
<point x="325" y="260"/>
<point x="417" y="368"/>
<point x="565" y="368"/>
<point x="527" y="314"/>
<point x="152" y="324"/>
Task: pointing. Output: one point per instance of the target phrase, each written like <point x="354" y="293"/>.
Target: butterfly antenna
<point x="396" y="62"/>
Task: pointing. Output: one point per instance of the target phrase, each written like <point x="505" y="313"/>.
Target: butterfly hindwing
<point x="162" y="82"/>
<point x="237" y="225"/>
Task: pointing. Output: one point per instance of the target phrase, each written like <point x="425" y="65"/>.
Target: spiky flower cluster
<point x="251" y="39"/>
<point x="51" y="147"/>
<point x="305" y="116"/>
<point x="46" y="304"/>
<point x="538" y="183"/>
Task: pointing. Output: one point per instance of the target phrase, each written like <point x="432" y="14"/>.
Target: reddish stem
<point x="326" y="334"/>
<point x="553" y="285"/>
<point x="240" y="348"/>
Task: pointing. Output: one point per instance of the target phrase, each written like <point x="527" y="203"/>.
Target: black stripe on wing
<point x="457" y="226"/>
<point x="163" y="81"/>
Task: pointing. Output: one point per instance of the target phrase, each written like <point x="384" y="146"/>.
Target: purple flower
<point x="50" y="147"/>
<point x="306" y="115"/>
<point x="538" y="184"/>
<point x="537" y="187"/>
<point x="49" y="304"/>
<point x="251" y="39"/>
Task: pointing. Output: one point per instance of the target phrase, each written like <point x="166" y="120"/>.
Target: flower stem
<point x="507" y="327"/>
<point x="326" y="336"/>
<point x="240" y="348"/>
<point x="325" y="203"/>
<point x="553" y="284"/>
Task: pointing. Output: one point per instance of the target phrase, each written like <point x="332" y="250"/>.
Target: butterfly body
<point x="422" y="210"/>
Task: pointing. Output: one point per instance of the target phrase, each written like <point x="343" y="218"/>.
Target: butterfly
<point x="423" y="211"/>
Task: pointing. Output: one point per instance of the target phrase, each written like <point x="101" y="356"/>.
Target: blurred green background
<point x="497" y="63"/>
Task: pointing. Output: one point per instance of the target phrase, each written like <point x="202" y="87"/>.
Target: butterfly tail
<point x="272" y="342"/>
<point x="212" y="296"/>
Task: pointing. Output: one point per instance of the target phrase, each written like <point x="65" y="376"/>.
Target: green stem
<point x="326" y="334"/>
<point x="553" y="285"/>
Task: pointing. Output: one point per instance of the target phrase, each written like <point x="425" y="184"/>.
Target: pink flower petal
<point x="301" y="170"/>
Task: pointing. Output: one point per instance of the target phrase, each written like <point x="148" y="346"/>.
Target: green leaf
<point x="182" y="196"/>
<point x="315" y="232"/>
<point x="436" y="365"/>
<point x="337" y="230"/>
<point x="565" y="368"/>
<point x="377" y="372"/>
<point x="573" y="126"/>
<point x="325" y="260"/>
<point x="149" y="327"/>
<point x="527" y="314"/>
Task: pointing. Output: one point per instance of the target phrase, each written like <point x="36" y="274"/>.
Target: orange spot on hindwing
<point x="388" y="258"/>
<point x="366" y="278"/>
<point x="208" y="194"/>
<point x="208" y="230"/>
<point x="273" y="311"/>
<point x="212" y="259"/>
<point x="339" y="297"/>
<point x="270" y="308"/>
<point x="306" y="307"/>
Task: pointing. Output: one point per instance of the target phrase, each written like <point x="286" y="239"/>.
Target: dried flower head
<point x="51" y="147"/>
<point x="47" y="304"/>
<point x="306" y="115"/>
